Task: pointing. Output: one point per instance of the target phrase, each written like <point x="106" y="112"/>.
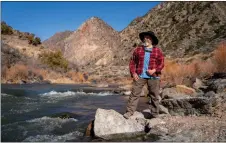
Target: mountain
<point x="183" y="28"/>
<point x="93" y="43"/>
<point x="57" y="40"/>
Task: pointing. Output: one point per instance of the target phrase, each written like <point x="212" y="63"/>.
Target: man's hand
<point x="151" y="72"/>
<point x="135" y="77"/>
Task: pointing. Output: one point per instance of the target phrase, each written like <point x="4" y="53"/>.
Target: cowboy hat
<point x="151" y="34"/>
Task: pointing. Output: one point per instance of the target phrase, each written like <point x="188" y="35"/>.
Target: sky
<point x="44" y="19"/>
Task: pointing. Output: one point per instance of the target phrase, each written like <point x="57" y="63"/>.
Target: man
<point x="145" y="66"/>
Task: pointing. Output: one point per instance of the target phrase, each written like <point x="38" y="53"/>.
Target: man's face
<point x="147" y="40"/>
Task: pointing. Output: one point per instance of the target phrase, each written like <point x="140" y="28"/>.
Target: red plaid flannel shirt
<point x="137" y="60"/>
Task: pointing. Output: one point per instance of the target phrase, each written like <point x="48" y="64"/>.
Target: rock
<point x="219" y="75"/>
<point x="188" y="106"/>
<point x="153" y="122"/>
<point x="163" y="110"/>
<point x="168" y="93"/>
<point x="184" y="89"/>
<point x="210" y="94"/>
<point x="46" y="82"/>
<point x="198" y="84"/>
<point x="127" y="93"/>
<point x="64" y="115"/>
<point x="110" y="124"/>
<point x="22" y="82"/>
<point x="137" y="115"/>
<point x="216" y="85"/>
<point x="102" y="85"/>
<point x="117" y="91"/>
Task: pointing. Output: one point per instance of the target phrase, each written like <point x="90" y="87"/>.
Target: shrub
<point x="30" y="38"/>
<point x="17" y="72"/>
<point x="54" y="60"/>
<point x="75" y="76"/>
<point x="5" y="29"/>
<point x="179" y="73"/>
<point x="36" y="41"/>
<point x="220" y="58"/>
<point x="33" y="40"/>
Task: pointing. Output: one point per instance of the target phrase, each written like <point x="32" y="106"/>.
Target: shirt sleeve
<point x="132" y="64"/>
<point x="160" y="65"/>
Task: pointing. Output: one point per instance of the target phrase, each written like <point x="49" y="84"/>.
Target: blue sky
<point x="44" y="19"/>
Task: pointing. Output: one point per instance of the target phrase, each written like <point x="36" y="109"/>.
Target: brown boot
<point x="127" y="115"/>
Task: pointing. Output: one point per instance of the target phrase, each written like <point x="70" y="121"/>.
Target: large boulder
<point x="173" y="93"/>
<point x="110" y="124"/>
<point x="168" y="128"/>
<point x="189" y="105"/>
<point x="217" y="85"/>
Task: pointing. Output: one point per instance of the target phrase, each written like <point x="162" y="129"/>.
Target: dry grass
<point x="20" y="72"/>
<point x="183" y="73"/>
<point x="220" y="58"/>
<point x="76" y="76"/>
<point x="173" y="72"/>
<point x="17" y="72"/>
<point x="178" y="73"/>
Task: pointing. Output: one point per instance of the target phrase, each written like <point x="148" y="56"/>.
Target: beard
<point x="147" y="44"/>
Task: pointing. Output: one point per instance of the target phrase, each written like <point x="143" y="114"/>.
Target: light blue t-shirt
<point x="146" y="64"/>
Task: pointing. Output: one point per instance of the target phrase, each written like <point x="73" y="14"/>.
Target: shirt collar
<point x="148" y="49"/>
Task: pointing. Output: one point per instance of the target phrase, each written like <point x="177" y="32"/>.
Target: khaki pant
<point x="153" y="87"/>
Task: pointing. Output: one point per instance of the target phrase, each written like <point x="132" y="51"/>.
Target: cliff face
<point x="92" y="43"/>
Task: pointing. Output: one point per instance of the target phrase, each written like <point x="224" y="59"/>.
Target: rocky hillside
<point x="92" y="43"/>
<point x="183" y="28"/>
<point x="57" y="40"/>
<point x="25" y="60"/>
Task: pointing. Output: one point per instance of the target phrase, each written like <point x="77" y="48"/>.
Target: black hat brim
<point x="154" y="38"/>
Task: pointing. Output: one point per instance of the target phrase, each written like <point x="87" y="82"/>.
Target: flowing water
<point x="26" y="111"/>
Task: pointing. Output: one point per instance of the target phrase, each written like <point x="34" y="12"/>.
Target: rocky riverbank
<point x="188" y="114"/>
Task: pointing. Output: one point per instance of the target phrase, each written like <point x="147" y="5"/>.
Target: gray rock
<point x="217" y="85"/>
<point x="22" y="82"/>
<point x="189" y="105"/>
<point x="110" y="124"/>
<point x="163" y="110"/>
<point x="137" y="115"/>
<point x="153" y="122"/>
<point x="168" y="92"/>
<point x="126" y="93"/>
<point x="198" y="84"/>
<point x="210" y="94"/>
<point x="171" y="93"/>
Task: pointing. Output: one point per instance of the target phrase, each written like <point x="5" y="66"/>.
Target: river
<point x="26" y="111"/>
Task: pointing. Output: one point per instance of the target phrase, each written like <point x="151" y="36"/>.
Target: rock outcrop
<point x="110" y="125"/>
<point x="93" y="43"/>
